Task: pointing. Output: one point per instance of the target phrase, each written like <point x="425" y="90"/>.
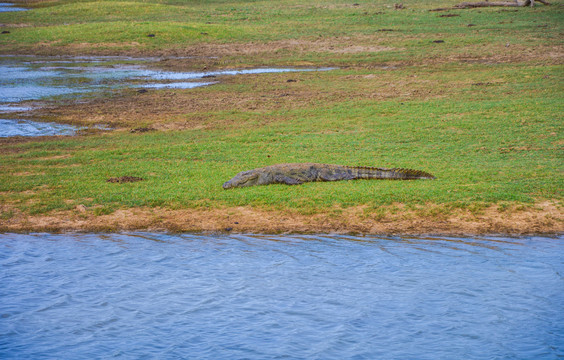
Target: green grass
<point x="124" y="25"/>
<point x="482" y="150"/>
<point x="500" y="141"/>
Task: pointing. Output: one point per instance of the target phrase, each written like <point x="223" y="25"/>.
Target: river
<point x="195" y="296"/>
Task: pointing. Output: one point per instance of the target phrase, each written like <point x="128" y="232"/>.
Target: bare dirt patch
<point x="343" y="44"/>
<point x="195" y="56"/>
<point x="543" y="218"/>
<point x="28" y="173"/>
<point x="55" y="157"/>
<point x="496" y="53"/>
<point x="21" y="25"/>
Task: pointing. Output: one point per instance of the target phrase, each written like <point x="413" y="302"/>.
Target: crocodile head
<point x="243" y="179"/>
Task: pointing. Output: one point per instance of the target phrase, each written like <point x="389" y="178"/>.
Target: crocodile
<point x="296" y="174"/>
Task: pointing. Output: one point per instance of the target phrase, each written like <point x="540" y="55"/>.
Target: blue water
<point x="19" y="127"/>
<point x="30" y="78"/>
<point x="177" y="85"/>
<point x="159" y="296"/>
<point x="35" y="79"/>
<point x="7" y="7"/>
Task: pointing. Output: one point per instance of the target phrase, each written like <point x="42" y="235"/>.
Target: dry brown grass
<point x="543" y="218"/>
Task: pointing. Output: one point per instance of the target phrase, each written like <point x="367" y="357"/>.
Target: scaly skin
<point x="296" y="174"/>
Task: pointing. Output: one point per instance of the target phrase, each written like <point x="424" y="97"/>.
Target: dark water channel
<point x="24" y="79"/>
<point x="159" y="296"/>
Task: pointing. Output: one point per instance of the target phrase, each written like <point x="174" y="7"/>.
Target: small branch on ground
<point x="514" y="3"/>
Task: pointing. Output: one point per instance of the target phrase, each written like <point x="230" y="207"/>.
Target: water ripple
<point x="155" y="296"/>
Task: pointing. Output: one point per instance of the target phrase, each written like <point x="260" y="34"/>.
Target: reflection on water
<point x="158" y="296"/>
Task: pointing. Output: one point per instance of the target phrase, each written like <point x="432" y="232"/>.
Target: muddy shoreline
<point x="542" y="219"/>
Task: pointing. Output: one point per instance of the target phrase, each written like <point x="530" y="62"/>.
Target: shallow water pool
<point x="8" y="7"/>
<point x="26" y="78"/>
<point x="20" y="127"/>
<point x="162" y="296"/>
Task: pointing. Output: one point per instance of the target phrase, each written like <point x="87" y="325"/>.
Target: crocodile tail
<point x="365" y="172"/>
<point x="409" y="174"/>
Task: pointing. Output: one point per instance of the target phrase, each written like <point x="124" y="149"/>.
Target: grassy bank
<point x="480" y="110"/>
<point x="290" y="31"/>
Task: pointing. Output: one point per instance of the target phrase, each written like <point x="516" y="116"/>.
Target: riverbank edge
<point x="545" y="218"/>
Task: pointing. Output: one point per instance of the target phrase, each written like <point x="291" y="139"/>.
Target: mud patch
<point x="202" y="108"/>
<point x="55" y="157"/>
<point x="124" y="179"/>
<point x="353" y="49"/>
<point x="141" y="130"/>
